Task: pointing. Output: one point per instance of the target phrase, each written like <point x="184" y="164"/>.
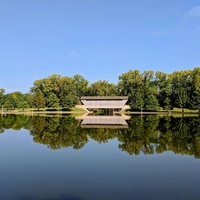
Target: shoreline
<point x="164" y="113"/>
<point x="41" y="112"/>
<point x="84" y="112"/>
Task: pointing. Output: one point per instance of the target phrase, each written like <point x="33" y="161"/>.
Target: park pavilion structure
<point x="116" y="103"/>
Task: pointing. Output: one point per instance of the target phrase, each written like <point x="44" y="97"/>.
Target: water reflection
<point x="147" y="134"/>
<point x="111" y="121"/>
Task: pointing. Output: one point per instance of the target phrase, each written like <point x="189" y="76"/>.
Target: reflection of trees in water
<point x="15" y="122"/>
<point x="146" y="134"/>
<point x="181" y="136"/>
<point x="149" y="134"/>
<point x="140" y="135"/>
<point x="102" y="135"/>
<point x="58" y="132"/>
<point x="195" y="132"/>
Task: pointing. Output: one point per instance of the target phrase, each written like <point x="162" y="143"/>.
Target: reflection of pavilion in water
<point x="113" y="121"/>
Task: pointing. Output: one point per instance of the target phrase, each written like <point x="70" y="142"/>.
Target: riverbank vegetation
<point x="147" y="91"/>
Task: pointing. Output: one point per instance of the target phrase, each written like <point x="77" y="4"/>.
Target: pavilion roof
<point x="104" y="98"/>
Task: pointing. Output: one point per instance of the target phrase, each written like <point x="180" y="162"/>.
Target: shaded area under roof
<point x="104" y="98"/>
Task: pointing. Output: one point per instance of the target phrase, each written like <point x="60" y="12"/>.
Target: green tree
<point x="68" y="101"/>
<point x="2" y="98"/>
<point x="38" y="100"/>
<point x="149" y="91"/>
<point x="8" y="104"/>
<point x="81" y="85"/>
<point x="136" y="100"/>
<point x="59" y="90"/>
<point x="22" y="105"/>
<point x="162" y="83"/>
<point x="181" y="88"/>
<point x="112" y="89"/>
<point x="51" y="84"/>
<point x="140" y="88"/>
<point x="67" y="89"/>
<point x="195" y="100"/>
<point x="130" y="84"/>
<point x="103" y="88"/>
<point x="52" y="101"/>
<point x="14" y="98"/>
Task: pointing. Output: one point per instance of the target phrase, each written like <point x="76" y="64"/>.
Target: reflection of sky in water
<point x="30" y="171"/>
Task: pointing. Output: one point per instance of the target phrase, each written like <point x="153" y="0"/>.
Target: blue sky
<point x="98" y="39"/>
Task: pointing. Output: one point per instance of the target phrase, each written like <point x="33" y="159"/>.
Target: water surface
<point x="55" y="158"/>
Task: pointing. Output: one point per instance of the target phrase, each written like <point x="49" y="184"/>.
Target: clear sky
<point x="98" y="39"/>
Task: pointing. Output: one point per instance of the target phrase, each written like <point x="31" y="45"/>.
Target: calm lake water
<point x="147" y="157"/>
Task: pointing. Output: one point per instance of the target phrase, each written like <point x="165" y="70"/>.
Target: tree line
<point x="147" y="91"/>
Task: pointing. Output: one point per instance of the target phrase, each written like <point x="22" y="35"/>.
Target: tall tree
<point x="16" y="98"/>
<point x="195" y="100"/>
<point x="150" y="92"/>
<point x="67" y="88"/>
<point x="22" y="105"/>
<point x="181" y="88"/>
<point x="130" y="84"/>
<point x="52" y="84"/>
<point x="8" y="103"/>
<point x="103" y="88"/>
<point x="52" y="100"/>
<point x="68" y="101"/>
<point x="81" y="85"/>
<point x="38" y="100"/>
<point x="162" y="83"/>
<point x="140" y="88"/>
<point x="2" y="97"/>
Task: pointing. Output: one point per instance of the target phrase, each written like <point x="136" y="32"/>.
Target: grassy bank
<point x="43" y="110"/>
<point x="76" y="110"/>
